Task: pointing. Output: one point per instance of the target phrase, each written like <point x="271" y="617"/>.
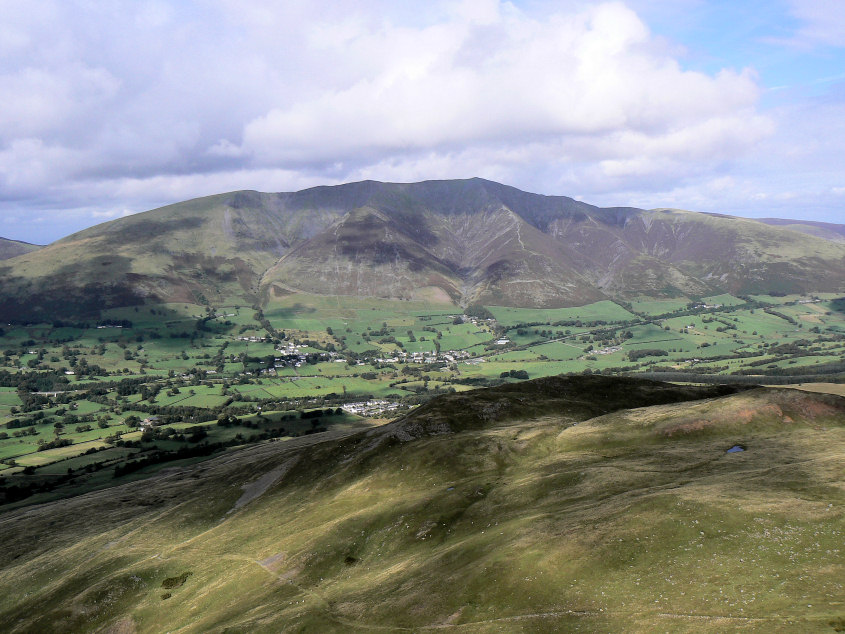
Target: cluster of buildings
<point x="291" y="356"/>
<point x="150" y="422"/>
<point x="705" y="306"/>
<point x="608" y="350"/>
<point x="370" y="408"/>
<point x="451" y="356"/>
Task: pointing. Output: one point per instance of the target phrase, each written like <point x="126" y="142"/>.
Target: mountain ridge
<point x="12" y="248"/>
<point x="826" y="230"/>
<point x="451" y="241"/>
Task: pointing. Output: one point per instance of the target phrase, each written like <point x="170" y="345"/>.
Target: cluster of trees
<point x="25" y="488"/>
<point x="44" y="445"/>
<point x="781" y="315"/>
<point x="32" y="381"/>
<point x="20" y="433"/>
<point x="634" y="355"/>
<point x="159" y="456"/>
<point x="478" y="311"/>
<point x="317" y="413"/>
<point x="31" y="402"/>
<point x="84" y="325"/>
<point x="265" y="323"/>
<point x="832" y="372"/>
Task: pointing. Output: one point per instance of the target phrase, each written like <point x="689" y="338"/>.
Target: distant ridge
<point x="13" y="248"/>
<point x="827" y="230"/>
<point x="448" y="241"/>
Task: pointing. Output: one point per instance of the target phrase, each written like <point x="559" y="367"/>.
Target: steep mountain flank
<point x="449" y="241"/>
<point x="208" y="250"/>
<point x="366" y="253"/>
<point x="739" y="255"/>
<point x="491" y="255"/>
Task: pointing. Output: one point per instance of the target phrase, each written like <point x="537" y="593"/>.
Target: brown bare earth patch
<point x="814" y="409"/>
<point x="274" y="562"/>
<point x="778" y="406"/>
<point x="743" y="416"/>
<point x="122" y="626"/>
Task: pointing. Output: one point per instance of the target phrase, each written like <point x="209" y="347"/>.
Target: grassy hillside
<point x="205" y="251"/>
<point x="669" y="252"/>
<point x="744" y="256"/>
<point x="540" y="507"/>
<point x="826" y="230"/>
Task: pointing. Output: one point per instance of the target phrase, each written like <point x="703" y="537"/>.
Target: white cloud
<point x="108" y="214"/>
<point x="49" y="101"/>
<point x="822" y="22"/>
<point x="795" y="173"/>
<point x="504" y="79"/>
<point x="127" y="105"/>
<point x="28" y="164"/>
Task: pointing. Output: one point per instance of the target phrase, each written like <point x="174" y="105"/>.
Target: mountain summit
<point x="456" y="241"/>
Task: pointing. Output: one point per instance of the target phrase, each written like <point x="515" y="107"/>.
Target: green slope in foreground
<point x="539" y="506"/>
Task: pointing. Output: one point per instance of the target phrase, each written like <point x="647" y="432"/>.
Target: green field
<point x="604" y="311"/>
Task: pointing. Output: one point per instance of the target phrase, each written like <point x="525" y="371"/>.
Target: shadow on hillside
<point x="68" y="293"/>
<point x="290" y="312"/>
<point x="838" y="305"/>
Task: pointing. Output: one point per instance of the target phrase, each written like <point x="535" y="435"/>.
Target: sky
<point x="114" y="107"/>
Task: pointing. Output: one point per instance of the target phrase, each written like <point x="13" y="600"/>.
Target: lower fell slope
<point x="590" y="503"/>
